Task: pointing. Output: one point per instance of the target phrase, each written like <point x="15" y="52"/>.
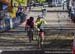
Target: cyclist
<point x="29" y="27"/>
<point x="40" y="23"/>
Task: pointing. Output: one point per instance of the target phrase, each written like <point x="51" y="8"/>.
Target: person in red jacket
<point x="73" y="48"/>
<point x="29" y="27"/>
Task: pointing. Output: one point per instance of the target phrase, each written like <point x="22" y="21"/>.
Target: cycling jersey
<point x="30" y="23"/>
<point x="40" y="24"/>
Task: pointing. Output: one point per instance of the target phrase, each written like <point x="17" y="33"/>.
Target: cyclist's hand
<point x="38" y="29"/>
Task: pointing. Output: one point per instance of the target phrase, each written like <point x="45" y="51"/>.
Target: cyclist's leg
<point x="39" y="40"/>
<point x="42" y="37"/>
<point x="31" y="34"/>
<point x="28" y="34"/>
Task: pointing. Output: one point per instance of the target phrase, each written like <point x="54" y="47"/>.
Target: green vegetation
<point x="41" y="1"/>
<point x="22" y="2"/>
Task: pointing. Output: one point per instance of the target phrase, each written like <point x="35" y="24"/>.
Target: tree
<point x="41" y="1"/>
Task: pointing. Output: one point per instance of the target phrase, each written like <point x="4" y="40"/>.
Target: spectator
<point x="20" y="8"/>
<point x="25" y="11"/>
<point x="44" y="12"/>
<point x="32" y="3"/>
<point x="69" y="11"/>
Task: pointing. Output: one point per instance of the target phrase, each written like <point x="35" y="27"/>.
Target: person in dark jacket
<point x="29" y="27"/>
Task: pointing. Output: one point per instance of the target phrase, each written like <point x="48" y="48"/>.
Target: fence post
<point x="11" y="23"/>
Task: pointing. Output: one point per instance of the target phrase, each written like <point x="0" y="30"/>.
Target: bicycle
<point x="29" y="33"/>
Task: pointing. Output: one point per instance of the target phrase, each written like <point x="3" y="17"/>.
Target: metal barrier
<point x="2" y="25"/>
<point x="9" y="23"/>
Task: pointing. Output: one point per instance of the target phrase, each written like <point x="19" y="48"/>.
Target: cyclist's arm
<point x="44" y="21"/>
<point x="36" y="26"/>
